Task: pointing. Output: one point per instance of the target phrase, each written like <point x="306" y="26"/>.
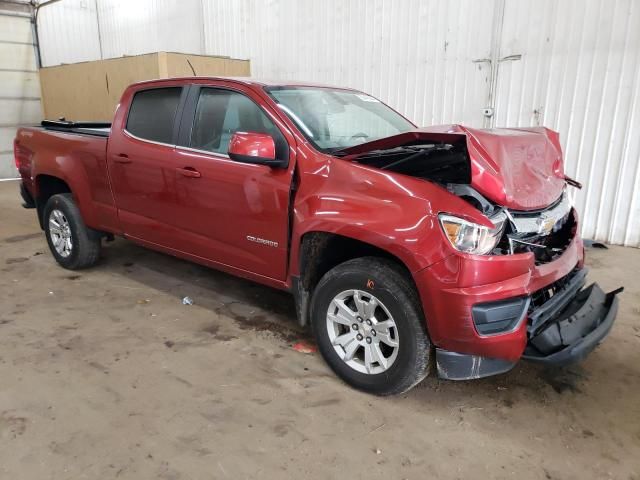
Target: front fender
<point x="393" y="212"/>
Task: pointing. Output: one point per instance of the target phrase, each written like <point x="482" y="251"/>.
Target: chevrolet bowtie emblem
<point x="545" y="224"/>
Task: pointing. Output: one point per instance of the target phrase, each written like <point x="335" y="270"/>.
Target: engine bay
<point x="442" y="163"/>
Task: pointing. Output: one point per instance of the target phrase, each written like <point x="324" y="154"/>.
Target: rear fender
<point x="76" y="180"/>
<point x="71" y="170"/>
<point x="80" y="162"/>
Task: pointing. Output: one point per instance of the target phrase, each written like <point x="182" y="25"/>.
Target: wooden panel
<point x="182" y="65"/>
<point x="91" y="90"/>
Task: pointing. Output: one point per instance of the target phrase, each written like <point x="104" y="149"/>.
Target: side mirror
<point x="251" y="147"/>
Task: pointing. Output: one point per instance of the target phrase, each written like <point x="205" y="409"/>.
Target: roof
<point x="248" y="81"/>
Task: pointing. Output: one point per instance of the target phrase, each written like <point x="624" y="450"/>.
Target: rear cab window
<point x="152" y="114"/>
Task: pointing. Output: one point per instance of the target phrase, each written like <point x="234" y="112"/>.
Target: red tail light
<point x="15" y="153"/>
<point x="22" y="156"/>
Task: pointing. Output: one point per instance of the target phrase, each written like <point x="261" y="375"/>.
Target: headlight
<point x="470" y="237"/>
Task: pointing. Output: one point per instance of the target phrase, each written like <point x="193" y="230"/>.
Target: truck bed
<point x="97" y="129"/>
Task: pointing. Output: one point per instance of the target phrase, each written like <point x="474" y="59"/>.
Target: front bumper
<point x="450" y="288"/>
<point x="561" y="330"/>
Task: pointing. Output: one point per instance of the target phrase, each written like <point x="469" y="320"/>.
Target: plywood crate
<point x="91" y="90"/>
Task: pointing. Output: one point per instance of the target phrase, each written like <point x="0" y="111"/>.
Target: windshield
<point x="334" y="119"/>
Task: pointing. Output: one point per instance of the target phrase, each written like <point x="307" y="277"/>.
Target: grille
<point x="546" y="234"/>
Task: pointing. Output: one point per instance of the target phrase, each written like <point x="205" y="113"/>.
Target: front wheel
<point x="72" y="243"/>
<point x="369" y="326"/>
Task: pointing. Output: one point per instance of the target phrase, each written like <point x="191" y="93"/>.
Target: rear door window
<point x="152" y="114"/>
<point x="221" y="113"/>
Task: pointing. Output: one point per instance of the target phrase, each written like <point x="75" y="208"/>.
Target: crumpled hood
<point x="518" y="168"/>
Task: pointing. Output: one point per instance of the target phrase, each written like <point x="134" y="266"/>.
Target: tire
<point x="384" y="292"/>
<point x="85" y="242"/>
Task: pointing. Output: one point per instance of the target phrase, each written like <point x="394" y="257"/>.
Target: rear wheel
<point x="369" y="326"/>
<point x="72" y="243"/>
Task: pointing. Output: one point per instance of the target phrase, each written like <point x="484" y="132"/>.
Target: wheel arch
<point x="71" y="178"/>
<point x="319" y="252"/>
<point x="47" y="186"/>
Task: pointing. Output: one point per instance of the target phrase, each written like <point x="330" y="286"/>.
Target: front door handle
<point x="189" y="172"/>
<point x="122" y="158"/>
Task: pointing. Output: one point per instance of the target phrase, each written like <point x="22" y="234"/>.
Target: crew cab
<point x="403" y="247"/>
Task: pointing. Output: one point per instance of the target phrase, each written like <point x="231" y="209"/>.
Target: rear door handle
<point x="122" y="158"/>
<point x="189" y="172"/>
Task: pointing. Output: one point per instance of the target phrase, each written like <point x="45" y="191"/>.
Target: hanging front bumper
<point x="583" y="321"/>
<point x="561" y="331"/>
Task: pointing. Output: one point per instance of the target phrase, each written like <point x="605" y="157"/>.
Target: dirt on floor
<point x="104" y="373"/>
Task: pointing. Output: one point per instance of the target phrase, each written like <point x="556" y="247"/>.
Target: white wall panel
<point x="145" y="26"/>
<point x="12" y="30"/>
<point x="68" y="32"/>
<point x="76" y="30"/>
<point x="229" y="27"/>
<point x="17" y="56"/>
<point x="579" y="70"/>
<point x="18" y="83"/>
<point x="418" y="56"/>
<point x="7" y="165"/>
<point x="579" y="75"/>
<point x="20" y="111"/>
<point x="7" y="134"/>
<point x="19" y="87"/>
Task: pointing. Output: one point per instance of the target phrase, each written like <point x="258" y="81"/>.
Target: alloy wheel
<point x="362" y="331"/>
<point x="60" y="233"/>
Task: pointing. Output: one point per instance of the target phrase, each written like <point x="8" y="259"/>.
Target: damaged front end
<point x="515" y="179"/>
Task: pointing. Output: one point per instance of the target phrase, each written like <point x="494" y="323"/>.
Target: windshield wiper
<point x="416" y="155"/>
<point x="373" y="153"/>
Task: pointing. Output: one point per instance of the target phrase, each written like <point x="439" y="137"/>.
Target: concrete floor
<point x="105" y="374"/>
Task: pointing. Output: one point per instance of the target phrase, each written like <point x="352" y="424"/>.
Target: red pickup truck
<point x="403" y="247"/>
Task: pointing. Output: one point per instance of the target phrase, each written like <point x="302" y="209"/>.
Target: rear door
<point x="140" y="159"/>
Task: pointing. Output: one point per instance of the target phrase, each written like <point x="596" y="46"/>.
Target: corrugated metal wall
<point x="570" y="65"/>
<point x="580" y="74"/>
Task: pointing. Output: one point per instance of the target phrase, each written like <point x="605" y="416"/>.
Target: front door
<point x="232" y="213"/>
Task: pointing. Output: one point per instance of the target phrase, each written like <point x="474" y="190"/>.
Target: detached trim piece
<point x="459" y="366"/>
